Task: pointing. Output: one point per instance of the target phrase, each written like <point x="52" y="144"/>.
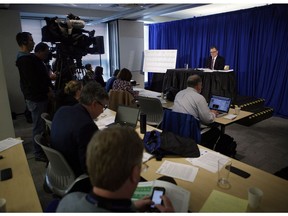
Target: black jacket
<point x="219" y="63"/>
<point x="34" y="79"/>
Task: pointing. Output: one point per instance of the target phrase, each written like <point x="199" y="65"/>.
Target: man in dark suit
<point x="215" y="61"/>
<point x="73" y="126"/>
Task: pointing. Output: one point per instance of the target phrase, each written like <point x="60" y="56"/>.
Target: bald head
<point x="193" y="81"/>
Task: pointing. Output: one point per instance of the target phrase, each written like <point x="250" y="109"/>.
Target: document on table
<point x="222" y="202"/>
<point x="179" y="196"/>
<point x="8" y="143"/>
<point x="178" y="170"/>
<point x="104" y="120"/>
<point x="207" y="160"/>
<point x="146" y="157"/>
<point x="230" y="116"/>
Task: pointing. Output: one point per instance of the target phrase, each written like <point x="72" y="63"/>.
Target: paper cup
<point x="2" y="205"/>
<point x="254" y="197"/>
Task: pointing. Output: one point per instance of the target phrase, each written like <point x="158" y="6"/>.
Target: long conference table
<point x="275" y="189"/>
<point x="19" y="191"/>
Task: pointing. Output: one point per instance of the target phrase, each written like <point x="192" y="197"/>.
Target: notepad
<point x="230" y="116"/>
<point x="223" y="202"/>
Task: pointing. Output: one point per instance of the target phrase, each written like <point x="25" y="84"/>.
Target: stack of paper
<point x="222" y="202"/>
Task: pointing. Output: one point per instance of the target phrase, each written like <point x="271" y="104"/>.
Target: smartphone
<point x="156" y="196"/>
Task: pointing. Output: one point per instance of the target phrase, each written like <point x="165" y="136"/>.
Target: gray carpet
<point x="263" y="145"/>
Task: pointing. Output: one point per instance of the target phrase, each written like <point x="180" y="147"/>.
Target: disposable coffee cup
<point x="224" y="166"/>
<point x="2" y="205"/>
<point x="237" y="110"/>
<point x="254" y="197"/>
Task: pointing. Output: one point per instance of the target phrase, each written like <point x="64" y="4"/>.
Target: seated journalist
<point x="73" y="126"/>
<point x="114" y="159"/>
<point x="190" y="101"/>
<point x="215" y="61"/>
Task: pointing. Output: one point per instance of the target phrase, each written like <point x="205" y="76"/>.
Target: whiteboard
<point x="158" y="61"/>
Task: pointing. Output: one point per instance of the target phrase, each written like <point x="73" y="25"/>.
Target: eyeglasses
<point x="104" y="106"/>
<point x="213" y="51"/>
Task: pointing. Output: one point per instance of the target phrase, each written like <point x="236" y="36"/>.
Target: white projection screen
<point x="158" y="61"/>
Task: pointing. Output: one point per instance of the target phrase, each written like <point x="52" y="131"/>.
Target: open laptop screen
<point x="219" y="103"/>
<point x="127" y="114"/>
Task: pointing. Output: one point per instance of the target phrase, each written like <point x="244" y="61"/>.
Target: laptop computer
<point x="221" y="104"/>
<point x="126" y="116"/>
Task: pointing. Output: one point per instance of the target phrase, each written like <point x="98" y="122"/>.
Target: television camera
<point x="70" y="42"/>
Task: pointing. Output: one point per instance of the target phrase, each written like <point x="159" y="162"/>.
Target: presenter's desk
<point x="214" y="83"/>
<point x="19" y="192"/>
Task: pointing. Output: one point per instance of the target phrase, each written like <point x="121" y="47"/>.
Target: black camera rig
<point x="70" y="42"/>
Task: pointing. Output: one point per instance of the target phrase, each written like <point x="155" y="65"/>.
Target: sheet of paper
<point x="104" y="120"/>
<point x="146" y="157"/>
<point x="222" y="202"/>
<point x="179" y="196"/>
<point x="178" y="170"/>
<point x="8" y="143"/>
<point x="207" y="160"/>
<point x="230" y="116"/>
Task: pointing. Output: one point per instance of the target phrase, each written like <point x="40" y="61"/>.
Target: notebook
<point x="221" y="104"/>
<point x="126" y="116"/>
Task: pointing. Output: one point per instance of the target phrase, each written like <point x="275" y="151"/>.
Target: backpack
<point x="171" y="93"/>
<point x="168" y="143"/>
<point x="226" y="145"/>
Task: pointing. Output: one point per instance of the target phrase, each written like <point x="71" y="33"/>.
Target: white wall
<point x="131" y="47"/>
<point x="6" y="124"/>
<point x="10" y="25"/>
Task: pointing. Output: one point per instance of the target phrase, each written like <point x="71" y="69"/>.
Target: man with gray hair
<point x="114" y="161"/>
<point x="73" y="126"/>
<point x="190" y="101"/>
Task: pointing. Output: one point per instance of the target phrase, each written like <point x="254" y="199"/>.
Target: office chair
<point x="119" y="97"/>
<point x="46" y="117"/>
<point x="181" y="124"/>
<point x="153" y="109"/>
<point x="59" y="177"/>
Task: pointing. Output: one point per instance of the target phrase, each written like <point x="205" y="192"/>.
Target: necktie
<point x="212" y="63"/>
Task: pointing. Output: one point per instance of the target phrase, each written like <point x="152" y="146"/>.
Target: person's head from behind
<point x="94" y="98"/>
<point x="73" y="88"/>
<point x="25" y="41"/>
<point x="213" y="51"/>
<point x="116" y="72"/>
<point x="125" y="74"/>
<point x="42" y="51"/>
<point x="99" y="70"/>
<point x="88" y="67"/>
<point x="195" y="81"/>
<point x="114" y="158"/>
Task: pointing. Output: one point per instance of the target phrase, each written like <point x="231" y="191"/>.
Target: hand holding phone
<point x="156" y="196"/>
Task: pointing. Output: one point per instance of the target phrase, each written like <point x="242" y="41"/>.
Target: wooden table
<point x="275" y="189"/>
<point x="147" y="93"/>
<point x="19" y="192"/>
<point x="224" y="122"/>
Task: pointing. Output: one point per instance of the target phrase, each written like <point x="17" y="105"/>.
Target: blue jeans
<point x="36" y="109"/>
